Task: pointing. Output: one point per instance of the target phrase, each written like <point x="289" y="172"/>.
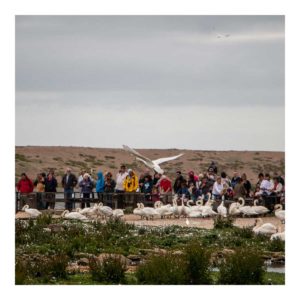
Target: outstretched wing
<point x="165" y="159"/>
<point x="148" y="164"/>
<point x="138" y="155"/>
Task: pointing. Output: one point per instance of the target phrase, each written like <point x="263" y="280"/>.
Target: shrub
<point x="221" y="222"/>
<point x="41" y="268"/>
<point x="44" y="219"/>
<point x="163" y="269"/>
<point x="198" y="264"/>
<point x="118" y="226"/>
<point x="276" y="245"/>
<point x="244" y="232"/>
<point x="243" y="267"/>
<point x="128" y="210"/>
<point x="110" y="270"/>
<point x="20" y="272"/>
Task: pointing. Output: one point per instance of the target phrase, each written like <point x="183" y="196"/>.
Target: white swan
<point x="31" y="211"/>
<point x="279" y="213"/>
<point x="246" y="210"/>
<point x="234" y="209"/>
<point x="148" y="212"/>
<point x="279" y="235"/>
<point x="222" y="209"/>
<point x="259" y="209"/>
<point x="195" y="214"/>
<point x="163" y="210"/>
<point x="264" y="228"/>
<point x="207" y="210"/>
<point x="175" y="209"/>
<point x="105" y="211"/>
<point x="197" y="207"/>
<point x="118" y="213"/>
<point x="88" y="211"/>
<point x="209" y="200"/>
<point x="73" y="216"/>
<point x="185" y="210"/>
<point x="152" y="164"/>
<point x="138" y="210"/>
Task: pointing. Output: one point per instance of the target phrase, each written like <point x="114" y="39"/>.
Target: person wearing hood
<point x="100" y="185"/>
<point x="131" y="182"/>
<point x="86" y="185"/>
<point x="25" y="185"/>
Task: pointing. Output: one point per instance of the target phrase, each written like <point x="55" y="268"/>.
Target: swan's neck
<point x="242" y="200"/>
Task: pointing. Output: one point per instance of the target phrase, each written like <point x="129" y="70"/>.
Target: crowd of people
<point x="127" y="181"/>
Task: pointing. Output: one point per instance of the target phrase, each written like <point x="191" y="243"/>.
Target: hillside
<point x="34" y="159"/>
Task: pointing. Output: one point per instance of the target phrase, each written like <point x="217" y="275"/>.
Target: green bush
<point x="244" y="232"/>
<point x="40" y="269"/>
<point x="221" y="222"/>
<point x="44" y="219"/>
<point x="276" y="245"/>
<point x="198" y="264"/>
<point x="243" y="267"/>
<point x="163" y="269"/>
<point x="110" y="270"/>
<point x="20" y="272"/>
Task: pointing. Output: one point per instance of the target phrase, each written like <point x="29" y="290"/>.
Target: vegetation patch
<point x="243" y="267"/>
<point x="21" y="157"/>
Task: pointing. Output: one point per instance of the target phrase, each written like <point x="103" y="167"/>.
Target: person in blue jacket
<point x="100" y="183"/>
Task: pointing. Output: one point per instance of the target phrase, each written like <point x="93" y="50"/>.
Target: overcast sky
<point x="189" y="82"/>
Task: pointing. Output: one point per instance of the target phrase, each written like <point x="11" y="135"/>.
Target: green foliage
<point x="198" y="264"/>
<point x="128" y="210"/>
<point x="109" y="157"/>
<point x="221" y="222"/>
<point x="57" y="158"/>
<point x="41" y="269"/>
<point x="21" y="157"/>
<point x="110" y="270"/>
<point x="44" y="219"/>
<point x="276" y="245"/>
<point x="244" y="232"/>
<point x="243" y="267"/>
<point x="164" y="269"/>
<point x="20" y="272"/>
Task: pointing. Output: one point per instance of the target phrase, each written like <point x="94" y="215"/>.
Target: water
<point x="279" y="268"/>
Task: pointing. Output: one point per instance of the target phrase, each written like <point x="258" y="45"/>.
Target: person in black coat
<point x="178" y="181"/>
<point x="69" y="181"/>
<point x="50" y="190"/>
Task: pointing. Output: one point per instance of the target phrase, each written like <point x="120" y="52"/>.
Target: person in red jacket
<point x="25" y="185"/>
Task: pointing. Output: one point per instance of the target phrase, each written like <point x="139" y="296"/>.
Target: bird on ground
<point x="264" y="228"/>
<point x="259" y="208"/>
<point x="279" y="235"/>
<point x="73" y="216"/>
<point x="152" y="164"/>
<point x="246" y="210"/>
<point x="118" y="213"/>
<point x="31" y="211"/>
<point x="105" y="211"/>
<point x="222" y="209"/>
<point x="279" y="213"/>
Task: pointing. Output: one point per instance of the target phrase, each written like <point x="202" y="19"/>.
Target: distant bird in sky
<point x="152" y="164"/>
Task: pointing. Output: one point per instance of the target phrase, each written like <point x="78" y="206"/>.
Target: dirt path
<point x="197" y="222"/>
<point x="190" y="222"/>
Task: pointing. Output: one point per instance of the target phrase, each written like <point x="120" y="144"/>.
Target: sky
<point x="187" y="82"/>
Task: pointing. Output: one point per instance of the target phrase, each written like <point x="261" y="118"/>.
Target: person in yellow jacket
<point x="131" y="182"/>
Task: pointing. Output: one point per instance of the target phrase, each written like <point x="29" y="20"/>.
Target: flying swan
<point x="152" y="164"/>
